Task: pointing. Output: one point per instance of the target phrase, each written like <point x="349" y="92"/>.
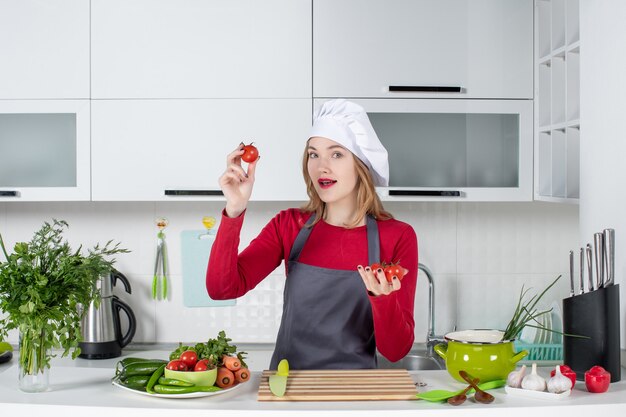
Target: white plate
<point x="541" y="322"/>
<point x="177" y="396"/>
<point x="528" y="334"/>
<point x="540" y="395"/>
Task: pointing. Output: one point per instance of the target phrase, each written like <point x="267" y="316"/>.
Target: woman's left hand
<point x="376" y="283"/>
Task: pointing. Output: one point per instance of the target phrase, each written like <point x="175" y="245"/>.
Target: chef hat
<point x="347" y="124"/>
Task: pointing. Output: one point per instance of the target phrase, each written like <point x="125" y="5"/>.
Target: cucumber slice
<point x="278" y="385"/>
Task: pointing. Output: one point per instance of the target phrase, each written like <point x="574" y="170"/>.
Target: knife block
<point x="594" y="314"/>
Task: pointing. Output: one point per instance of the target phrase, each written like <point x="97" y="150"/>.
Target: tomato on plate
<point x="202" y="365"/>
<point x="250" y="153"/>
<point x="177" y="365"/>
<point x="189" y="358"/>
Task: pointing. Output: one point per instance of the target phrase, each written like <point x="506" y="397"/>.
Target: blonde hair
<point x="368" y="201"/>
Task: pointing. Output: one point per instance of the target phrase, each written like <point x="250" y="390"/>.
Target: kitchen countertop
<point x="84" y="387"/>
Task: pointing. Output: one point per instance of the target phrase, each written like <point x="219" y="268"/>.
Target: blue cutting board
<point x="196" y="248"/>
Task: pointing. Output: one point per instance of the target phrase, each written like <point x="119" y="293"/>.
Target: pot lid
<point x="483" y="336"/>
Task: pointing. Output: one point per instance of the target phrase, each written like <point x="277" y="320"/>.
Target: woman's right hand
<point x="236" y="184"/>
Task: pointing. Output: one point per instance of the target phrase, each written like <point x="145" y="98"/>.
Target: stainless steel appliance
<point x="100" y="327"/>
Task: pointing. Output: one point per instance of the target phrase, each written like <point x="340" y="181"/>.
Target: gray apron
<point x="327" y="317"/>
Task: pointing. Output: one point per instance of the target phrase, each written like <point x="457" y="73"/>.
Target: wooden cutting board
<point x="342" y="385"/>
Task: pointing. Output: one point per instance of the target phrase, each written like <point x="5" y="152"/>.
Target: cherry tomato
<point x="176" y="365"/>
<point x="567" y="371"/>
<point x="250" y="153"/>
<point x="597" y="379"/>
<point x="189" y="358"/>
<point x="394" y="270"/>
<point x="201" y="365"/>
<point x="374" y="267"/>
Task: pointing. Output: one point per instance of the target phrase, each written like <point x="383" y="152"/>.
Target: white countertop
<point x="83" y="387"/>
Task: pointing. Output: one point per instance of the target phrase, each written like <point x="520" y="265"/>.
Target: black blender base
<point x="100" y="350"/>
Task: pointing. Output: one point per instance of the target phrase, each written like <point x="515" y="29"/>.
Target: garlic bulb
<point x="534" y="381"/>
<point x="514" y="380"/>
<point x="559" y="383"/>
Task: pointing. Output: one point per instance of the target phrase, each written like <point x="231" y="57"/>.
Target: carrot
<point x="242" y="375"/>
<point x="225" y="377"/>
<point x="231" y="362"/>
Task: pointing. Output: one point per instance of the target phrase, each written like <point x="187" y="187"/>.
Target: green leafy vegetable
<point x="42" y="284"/>
<point x="526" y="312"/>
<point x="213" y="350"/>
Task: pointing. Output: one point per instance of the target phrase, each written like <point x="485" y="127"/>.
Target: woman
<point x="337" y="310"/>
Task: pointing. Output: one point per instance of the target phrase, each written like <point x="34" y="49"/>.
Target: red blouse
<point x="231" y="275"/>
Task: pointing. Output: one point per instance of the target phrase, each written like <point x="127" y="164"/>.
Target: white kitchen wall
<point x="602" y="144"/>
<point x="480" y="253"/>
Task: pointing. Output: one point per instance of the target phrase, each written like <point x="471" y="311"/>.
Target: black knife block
<point x="594" y="314"/>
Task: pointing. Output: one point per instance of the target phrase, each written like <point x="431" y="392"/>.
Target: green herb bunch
<point x="213" y="350"/>
<point x="42" y="284"/>
<point x="526" y="313"/>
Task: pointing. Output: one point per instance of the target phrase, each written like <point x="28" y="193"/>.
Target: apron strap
<point x="301" y="239"/>
<point x="373" y="241"/>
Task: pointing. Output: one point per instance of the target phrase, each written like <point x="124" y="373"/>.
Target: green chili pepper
<point x="154" y="378"/>
<point x="174" y="382"/>
<point x="169" y="389"/>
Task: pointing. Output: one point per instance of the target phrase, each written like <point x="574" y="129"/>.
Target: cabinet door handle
<point x="5" y="193"/>
<point x="425" y="193"/>
<point x="425" y="88"/>
<point x="188" y="193"/>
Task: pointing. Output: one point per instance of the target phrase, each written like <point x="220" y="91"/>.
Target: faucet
<point x="431" y="339"/>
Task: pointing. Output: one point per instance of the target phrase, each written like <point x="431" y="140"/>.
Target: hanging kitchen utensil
<point x="195" y="248"/>
<point x="159" y="280"/>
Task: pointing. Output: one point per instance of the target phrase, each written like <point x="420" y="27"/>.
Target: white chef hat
<point x="347" y="124"/>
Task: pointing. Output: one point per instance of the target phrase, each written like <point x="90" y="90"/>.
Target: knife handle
<point x="590" y="266"/>
<point x="571" y="272"/>
<point x="609" y="252"/>
<point x="581" y="290"/>
<point x="598" y="243"/>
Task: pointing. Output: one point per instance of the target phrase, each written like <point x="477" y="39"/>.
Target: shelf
<point x="557" y="134"/>
<point x="573" y="47"/>
<point x="539" y="197"/>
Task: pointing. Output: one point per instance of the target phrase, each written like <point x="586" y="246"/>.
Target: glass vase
<point x="33" y="369"/>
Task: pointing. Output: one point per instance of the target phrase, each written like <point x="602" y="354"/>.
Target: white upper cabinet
<point x="44" y="150"/>
<point x="201" y="49"/>
<point x="170" y="150"/>
<point x="361" y="48"/>
<point x="44" y="49"/>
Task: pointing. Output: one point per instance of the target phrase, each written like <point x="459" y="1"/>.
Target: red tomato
<point x="189" y="358"/>
<point x="394" y="270"/>
<point x="597" y="379"/>
<point x="250" y="153"/>
<point x="374" y="267"/>
<point x="567" y="371"/>
<point x="201" y="365"/>
<point x="176" y="365"/>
